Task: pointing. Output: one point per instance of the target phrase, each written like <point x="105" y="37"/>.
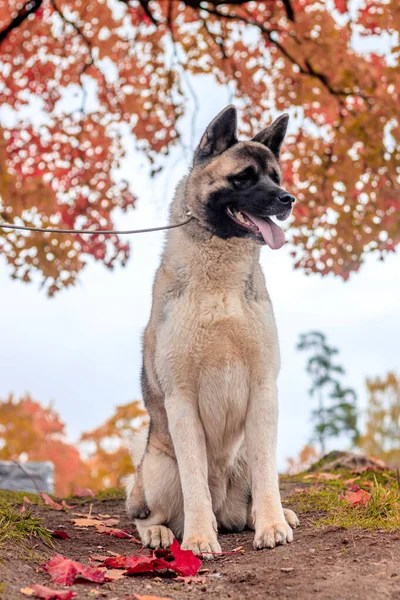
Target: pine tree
<point x="336" y="412"/>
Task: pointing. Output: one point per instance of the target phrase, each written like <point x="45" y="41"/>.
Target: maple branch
<point x="145" y="5"/>
<point x="269" y="34"/>
<point x="28" y="9"/>
<point x="289" y="10"/>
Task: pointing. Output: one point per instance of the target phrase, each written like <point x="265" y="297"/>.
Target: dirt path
<point x="325" y="563"/>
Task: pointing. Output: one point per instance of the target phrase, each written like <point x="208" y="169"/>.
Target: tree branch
<point x="145" y="5"/>
<point x="289" y="10"/>
<point x="28" y="9"/>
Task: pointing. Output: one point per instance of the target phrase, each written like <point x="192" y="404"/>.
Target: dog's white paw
<point x="204" y="545"/>
<point x="273" y="535"/>
<point x="291" y="518"/>
<point x="157" y="536"/>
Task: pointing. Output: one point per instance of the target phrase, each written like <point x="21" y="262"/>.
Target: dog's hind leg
<point x="163" y="496"/>
<point x="136" y="505"/>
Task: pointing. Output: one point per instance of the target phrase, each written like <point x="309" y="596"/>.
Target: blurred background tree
<point x="336" y="413"/>
<point x="81" y="79"/>
<point x="382" y="431"/>
<point x="307" y="456"/>
<point x="108" y="446"/>
<point x="29" y="431"/>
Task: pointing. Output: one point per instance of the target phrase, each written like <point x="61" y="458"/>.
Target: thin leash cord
<point x="98" y="231"/>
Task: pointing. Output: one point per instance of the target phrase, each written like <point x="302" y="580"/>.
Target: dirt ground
<point x="323" y="563"/>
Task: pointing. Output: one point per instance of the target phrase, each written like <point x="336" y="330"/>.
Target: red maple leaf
<point x="357" y="497"/>
<point x="185" y="563"/>
<point x="50" y="502"/>
<point x="59" y="533"/>
<point x="65" y="571"/>
<point x="119" y="533"/>
<point x="182" y="562"/>
<point x="44" y="592"/>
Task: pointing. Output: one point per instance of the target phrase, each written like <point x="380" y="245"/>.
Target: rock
<point x="29" y="477"/>
<point x="349" y="461"/>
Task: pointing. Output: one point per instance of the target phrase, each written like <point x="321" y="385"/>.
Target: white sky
<point x="81" y="350"/>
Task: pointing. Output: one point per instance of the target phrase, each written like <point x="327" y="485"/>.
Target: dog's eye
<point x="244" y="179"/>
<point x="274" y="175"/>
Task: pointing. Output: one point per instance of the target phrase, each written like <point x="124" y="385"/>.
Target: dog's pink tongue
<point x="273" y="235"/>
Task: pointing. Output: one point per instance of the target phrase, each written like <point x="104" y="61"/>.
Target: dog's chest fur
<point x="212" y="329"/>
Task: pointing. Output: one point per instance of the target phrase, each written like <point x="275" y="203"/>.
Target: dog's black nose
<point x="286" y="198"/>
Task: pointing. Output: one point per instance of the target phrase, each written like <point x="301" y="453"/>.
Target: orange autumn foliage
<point x="109" y="458"/>
<point x="307" y="456"/>
<point x="99" y="68"/>
<point x="29" y="431"/>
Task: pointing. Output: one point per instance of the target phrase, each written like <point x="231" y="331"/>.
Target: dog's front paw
<point x="291" y="518"/>
<point x="204" y="545"/>
<point x="156" y="536"/>
<point x="273" y="535"/>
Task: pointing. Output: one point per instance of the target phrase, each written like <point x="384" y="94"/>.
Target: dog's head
<point x="235" y="187"/>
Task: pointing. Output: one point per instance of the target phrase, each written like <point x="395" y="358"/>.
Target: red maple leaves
<point x="175" y="560"/>
<point x="65" y="571"/>
<point x="356" y="496"/>
<point x="182" y="562"/>
<point x="46" y="593"/>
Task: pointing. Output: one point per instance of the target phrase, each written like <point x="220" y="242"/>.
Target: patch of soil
<point x="325" y="563"/>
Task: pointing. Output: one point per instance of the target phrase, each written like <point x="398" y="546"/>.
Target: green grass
<point x="16" y="527"/>
<point x="109" y="494"/>
<point x="11" y="497"/>
<point x="381" y="512"/>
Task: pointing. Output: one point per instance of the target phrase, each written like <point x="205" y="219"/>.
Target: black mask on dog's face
<point x="239" y="182"/>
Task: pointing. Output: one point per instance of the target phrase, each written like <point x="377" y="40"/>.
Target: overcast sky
<point x="81" y="350"/>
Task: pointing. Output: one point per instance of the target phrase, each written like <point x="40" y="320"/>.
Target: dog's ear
<point x="272" y="136"/>
<point x="220" y="135"/>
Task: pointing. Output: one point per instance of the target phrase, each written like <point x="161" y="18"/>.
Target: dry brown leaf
<point x="86" y="522"/>
<point x="115" y="574"/>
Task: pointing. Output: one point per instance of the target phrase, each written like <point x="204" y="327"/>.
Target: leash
<point x="97" y="231"/>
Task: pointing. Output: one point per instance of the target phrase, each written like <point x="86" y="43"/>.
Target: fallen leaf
<point x="119" y="533"/>
<point x="115" y="574"/>
<point x="356" y="498"/>
<point x="82" y="492"/>
<point x="98" y="557"/>
<point x="367" y="484"/>
<point x="111" y="522"/>
<point x="41" y="591"/>
<point x="59" y="533"/>
<point x="65" y="505"/>
<point x="86" y="522"/>
<point x="350" y="481"/>
<point x="27" y="500"/>
<point x="22" y="510"/>
<point x="50" y="502"/>
<point x="65" y="571"/>
<point x="183" y="562"/>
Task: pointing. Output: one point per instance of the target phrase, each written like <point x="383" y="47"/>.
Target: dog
<point x="207" y="461"/>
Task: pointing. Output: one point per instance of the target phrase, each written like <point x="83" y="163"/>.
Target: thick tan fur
<point x="211" y="360"/>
